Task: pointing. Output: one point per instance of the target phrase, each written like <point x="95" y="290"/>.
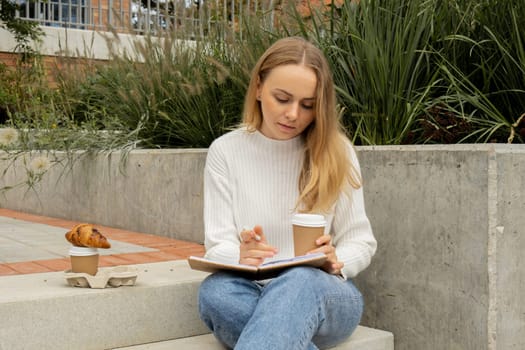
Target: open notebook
<point x="266" y="270"/>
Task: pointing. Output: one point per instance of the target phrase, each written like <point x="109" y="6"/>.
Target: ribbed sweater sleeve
<point x="252" y="180"/>
<point x="221" y="242"/>
<point x="351" y="230"/>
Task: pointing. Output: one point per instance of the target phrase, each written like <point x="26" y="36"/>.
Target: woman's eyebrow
<point x="289" y="94"/>
<point x="283" y="91"/>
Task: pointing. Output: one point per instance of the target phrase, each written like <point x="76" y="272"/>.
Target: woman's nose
<point x="293" y="112"/>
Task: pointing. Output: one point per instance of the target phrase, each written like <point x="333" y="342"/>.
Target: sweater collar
<point x="294" y="143"/>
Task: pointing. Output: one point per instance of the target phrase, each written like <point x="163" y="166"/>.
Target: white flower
<point x="8" y="136"/>
<point x="40" y="165"/>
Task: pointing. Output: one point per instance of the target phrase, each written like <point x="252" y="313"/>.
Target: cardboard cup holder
<point x="105" y="277"/>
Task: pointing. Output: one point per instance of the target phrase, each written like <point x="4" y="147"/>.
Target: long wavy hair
<point x="327" y="167"/>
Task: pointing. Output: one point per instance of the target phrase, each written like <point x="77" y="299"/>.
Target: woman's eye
<point x="308" y="106"/>
<point x="281" y="99"/>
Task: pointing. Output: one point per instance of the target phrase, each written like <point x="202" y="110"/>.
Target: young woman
<point x="290" y="155"/>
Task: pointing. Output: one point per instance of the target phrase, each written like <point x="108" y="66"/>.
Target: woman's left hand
<point x="332" y="265"/>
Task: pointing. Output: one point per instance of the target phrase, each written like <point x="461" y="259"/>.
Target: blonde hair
<point x="327" y="167"/>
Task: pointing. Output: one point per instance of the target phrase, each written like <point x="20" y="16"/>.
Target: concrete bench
<point x="41" y="311"/>
<point x="364" y="338"/>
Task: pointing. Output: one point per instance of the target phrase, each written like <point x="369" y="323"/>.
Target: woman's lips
<point x="285" y="127"/>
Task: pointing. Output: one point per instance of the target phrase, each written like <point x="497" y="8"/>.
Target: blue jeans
<point x="302" y="308"/>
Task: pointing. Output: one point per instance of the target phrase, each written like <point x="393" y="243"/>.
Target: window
<point x="56" y="13"/>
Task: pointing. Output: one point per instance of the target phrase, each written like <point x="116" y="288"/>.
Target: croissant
<point x="85" y="235"/>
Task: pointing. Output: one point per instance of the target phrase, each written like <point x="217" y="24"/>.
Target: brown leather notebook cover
<point x="266" y="270"/>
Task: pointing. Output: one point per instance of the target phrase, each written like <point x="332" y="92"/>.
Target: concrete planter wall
<point x="155" y="191"/>
<point x="450" y="269"/>
<point x="449" y="272"/>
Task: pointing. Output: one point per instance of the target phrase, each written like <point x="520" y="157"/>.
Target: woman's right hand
<point x="254" y="248"/>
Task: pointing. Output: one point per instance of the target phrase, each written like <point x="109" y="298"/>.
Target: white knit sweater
<point x="253" y="180"/>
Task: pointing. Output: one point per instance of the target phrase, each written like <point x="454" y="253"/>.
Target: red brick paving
<point x="55" y="264"/>
<point x="27" y="267"/>
<point x="168" y="248"/>
<point x="111" y="260"/>
<point x="6" y="270"/>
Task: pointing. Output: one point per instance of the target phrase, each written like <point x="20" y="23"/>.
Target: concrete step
<point x="363" y="338"/>
<point x="41" y="311"/>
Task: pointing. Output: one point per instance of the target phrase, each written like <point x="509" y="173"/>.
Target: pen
<point x="257" y="237"/>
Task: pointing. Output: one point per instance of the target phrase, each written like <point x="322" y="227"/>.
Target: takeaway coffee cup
<point x="84" y="260"/>
<point x="306" y="229"/>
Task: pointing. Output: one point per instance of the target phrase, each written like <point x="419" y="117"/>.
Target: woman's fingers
<point x="256" y="255"/>
<point x="254" y="248"/>
<point x="259" y="252"/>
<point x="251" y="261"/>
<point x="323" y="245"/>
<point x="323" y="240"/>
<point x="248" y="235"/>
<point x="333" y="269"/>
<point x="259" y="235"/>
<point x="332" y="264"/>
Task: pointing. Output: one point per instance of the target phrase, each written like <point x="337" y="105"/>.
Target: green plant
<point x="406" y="72"/>
<point x="21" y="83"/>
<point x="482" y="64"/>
<point x="425" y="71"/>
<point x="380" y="54"/>
<point x="171" y="93"/>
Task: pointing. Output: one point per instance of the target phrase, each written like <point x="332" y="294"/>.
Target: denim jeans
<point x="302" y="308"/>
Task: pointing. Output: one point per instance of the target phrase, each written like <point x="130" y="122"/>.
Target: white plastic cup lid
<point x="82" y="251"/>
<point x="309" y="220"/>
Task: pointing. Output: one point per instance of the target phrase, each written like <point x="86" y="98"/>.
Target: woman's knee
<point x="303" y="273"/>
<point x="212" y="290"/>
<point x="342" y="313"/>
<point x="225" y="291"/>
<point x="305" y="276"/>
